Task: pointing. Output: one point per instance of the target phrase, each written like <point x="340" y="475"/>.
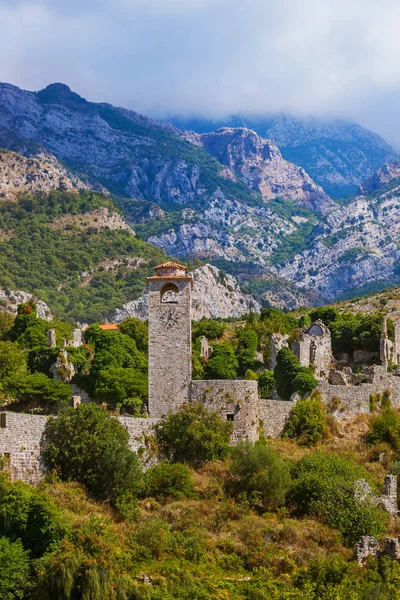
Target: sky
<point x="329" y="58"/>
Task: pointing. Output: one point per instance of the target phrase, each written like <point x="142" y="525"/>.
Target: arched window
<point x="169" y="293"/>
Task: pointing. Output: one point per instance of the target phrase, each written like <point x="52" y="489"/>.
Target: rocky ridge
<point x="339" y="155"/>
<point x="42" y="173"/>
<point x="259" y="163"/>
<point x="215" y="295"/>
<point x="354" y="247"/>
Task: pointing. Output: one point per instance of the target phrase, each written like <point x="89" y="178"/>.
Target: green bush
<point x="193" y="435"/>
<point x="325" y="484"/>
<point x="113" y="349"/>
<point x="87" y="445"/>
<point x="304" y="382"/>
<point x="266" y="383"/>
<point x="291" y="377"/>
<point x="38" y="390"/>
<point x="122" y="389"/>
<point x="223" y="363"/>
<point x="385" y="427"/>
<point x="137" y="330"/>
<point x="307" y="421"/>
<point x="30" y="515"/>
<point x="12" y="360"/>
<point x="168" y="480"/>
<point x="210" y="328"/>
<point x="259" y="475"/>
<point x="14" y="570"/>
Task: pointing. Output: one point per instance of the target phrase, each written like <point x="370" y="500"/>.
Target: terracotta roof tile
<point x="171" y="265"/>
<point x="109" y="327"/>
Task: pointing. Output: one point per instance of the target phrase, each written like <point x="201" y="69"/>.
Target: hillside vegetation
<point x="82" y="271"/>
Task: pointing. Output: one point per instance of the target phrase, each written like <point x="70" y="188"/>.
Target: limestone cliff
<point x="42" y="173"/>
<point x="259" y="163"/>
<point x="215" y="295"/>
<point x="10" y="299"/>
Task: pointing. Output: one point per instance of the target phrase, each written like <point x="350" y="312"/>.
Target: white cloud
<point x="328" y="57"/>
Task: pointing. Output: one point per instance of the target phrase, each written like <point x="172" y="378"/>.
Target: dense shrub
<point x="122" y="389"/>
<point x="12" y="360"/>
<point x="137" y="330"/>
<point x="168" y="480"/>
<point x="210" y="328"/>
<point x="385" y="427"/>
<point x="38" y="390"/>
<point x="113" y="349"/>
<point x="325" y="485"/>
<point x="14" y="570"/>
<point x="266" y="383"/>
<point x="291" y="377"/>
<point x="223" y="363"/>
<point x="259" y="475"/>
<point x="304" y="382"/>
<point x="31" y="516"/>
<point x="307" y="421"/>
<point x="193" y="435"/>
<point x="87" y="445"/>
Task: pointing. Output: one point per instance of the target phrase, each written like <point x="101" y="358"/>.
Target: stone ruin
<point x="313" y="348"/>
<point x="390" y="351"/>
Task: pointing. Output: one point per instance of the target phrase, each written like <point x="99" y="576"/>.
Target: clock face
<point x="169" y="319"/>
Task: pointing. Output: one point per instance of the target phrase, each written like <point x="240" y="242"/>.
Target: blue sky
<point x="213" y="57"/>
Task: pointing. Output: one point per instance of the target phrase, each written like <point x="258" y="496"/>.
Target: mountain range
<point x="229" y="197"/>
<point x="339" y="155"/>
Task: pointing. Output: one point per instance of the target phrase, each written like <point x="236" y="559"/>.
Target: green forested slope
<point x="48" y="262"/>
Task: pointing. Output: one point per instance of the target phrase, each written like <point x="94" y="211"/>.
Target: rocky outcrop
<point x="259" y="163"/>
<point x="388" y="173"/>
<point x="215" y="295"/>
<point x="337" y="154"/>
<point x="10" y="299"/>
<point x="353" y="247"/>
<point x="101" y="218"/>
<point x="226" y="229"/>
<point x="43" y="173"/>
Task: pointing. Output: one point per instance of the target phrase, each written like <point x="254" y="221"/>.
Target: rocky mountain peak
<point x="380" y="178"/>
<point x="260" y="164"/>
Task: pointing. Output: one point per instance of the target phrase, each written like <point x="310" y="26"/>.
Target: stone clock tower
<point x="170" y="338"/>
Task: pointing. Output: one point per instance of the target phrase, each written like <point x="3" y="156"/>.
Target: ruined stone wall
<point x="170" y="365"/>
<point x="354" y="399"/>
<point x="20" y="437"/>
<point x="273" y="414"/>
<point x="236" y="401"/>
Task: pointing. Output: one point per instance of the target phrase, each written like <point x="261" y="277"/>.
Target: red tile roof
<point x="109" y="327"/>
<point x="171" y="265"/>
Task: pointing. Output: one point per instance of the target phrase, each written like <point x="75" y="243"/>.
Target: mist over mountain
<point x="339" y="155"/>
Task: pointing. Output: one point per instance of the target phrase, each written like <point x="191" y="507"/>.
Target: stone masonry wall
<point x="273" y="414"/>
<point x="21" y="435"/>
<point x="236" y="401"/>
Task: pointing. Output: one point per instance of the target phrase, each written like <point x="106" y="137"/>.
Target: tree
<point x="223" y="363"/>
<point x="210" y="328"/>
<point x="307" y="421"/>
<point x="14" y="570"/>
<point x="87" y="445"/>
<point x="385" y="427"/>
<point x="122" y="388"/>
<point x="6" y="323"/>
<point x="12" y="360"/>
<point x="325" y="485"/>
<point x="260" y="474"/>
<point x="304" y="382"/>
<point x="168" y="480"/>
<point x="39" y="390"/>
<point x="137" y="330"/>
<point x="266" y="383"/>
<point x="193" y="435"/>
<point x="113" y="349"/>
